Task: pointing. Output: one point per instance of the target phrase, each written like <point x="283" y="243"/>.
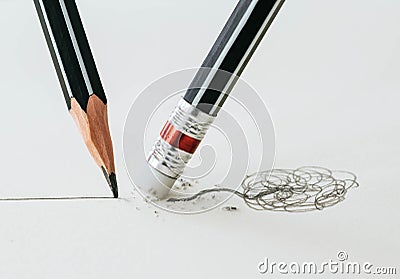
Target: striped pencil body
<point x="210" y="87"/>
<point x="79" y="79"/>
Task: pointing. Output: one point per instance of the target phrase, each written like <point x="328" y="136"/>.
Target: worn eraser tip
<point x="154" y="184"/>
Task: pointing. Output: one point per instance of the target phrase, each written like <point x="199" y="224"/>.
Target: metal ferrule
<point x="184" y="130"/>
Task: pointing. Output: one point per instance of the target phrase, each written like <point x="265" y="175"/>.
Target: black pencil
<point x="189" y="122"/>
<point x="231" y="52"/>
<point x="79" y="80"/>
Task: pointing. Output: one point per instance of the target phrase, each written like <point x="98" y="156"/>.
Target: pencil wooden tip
<point x="93" y="125"/>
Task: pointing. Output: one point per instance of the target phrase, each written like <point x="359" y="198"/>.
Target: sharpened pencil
<point x="79" y="80"/>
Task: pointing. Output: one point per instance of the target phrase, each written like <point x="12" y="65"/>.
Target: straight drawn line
<point x="56" y="198"/>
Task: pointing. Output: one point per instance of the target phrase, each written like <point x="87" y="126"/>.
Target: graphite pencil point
<point x="112" y="181"/>
<point x="113" y="184"/>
